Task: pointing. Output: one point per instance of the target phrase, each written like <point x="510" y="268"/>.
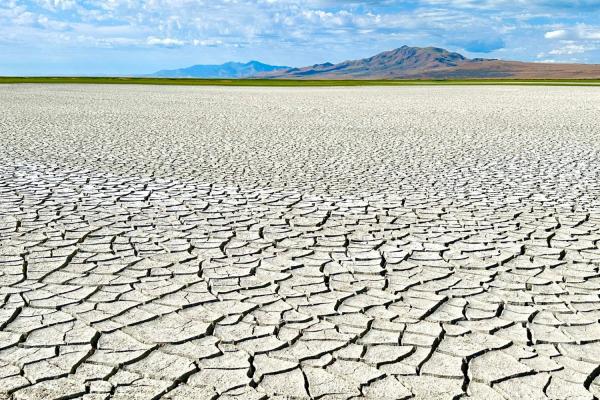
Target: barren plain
<point x="299" y="243"/>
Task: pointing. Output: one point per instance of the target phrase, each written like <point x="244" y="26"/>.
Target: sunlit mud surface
<point x="296" y="243"/>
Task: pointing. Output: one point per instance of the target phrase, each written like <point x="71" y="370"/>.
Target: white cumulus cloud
<point x="165" y="42"/>
<point x="577" y="32"/>
<point x="558" y="34"/>
<point x="207" y="42"/>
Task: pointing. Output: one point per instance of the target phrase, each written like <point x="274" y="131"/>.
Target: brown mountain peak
<point x="434" y="63"/>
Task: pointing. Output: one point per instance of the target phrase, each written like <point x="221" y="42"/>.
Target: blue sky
<point x="122" y="37"/>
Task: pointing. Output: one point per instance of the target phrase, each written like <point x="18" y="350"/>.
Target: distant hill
<point x="227" y="70"/>
<point x="433" y="63"/>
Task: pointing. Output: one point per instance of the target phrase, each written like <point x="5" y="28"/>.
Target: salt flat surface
<point x="295" y="243"/>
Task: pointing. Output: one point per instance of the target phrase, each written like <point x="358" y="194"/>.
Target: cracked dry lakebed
<point x="299" y="243"/>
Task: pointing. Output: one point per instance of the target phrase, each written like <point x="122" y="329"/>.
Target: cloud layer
<point x="136" y="36"/>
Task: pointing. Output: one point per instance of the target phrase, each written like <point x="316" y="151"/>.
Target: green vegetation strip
<point x="294" y="82"/>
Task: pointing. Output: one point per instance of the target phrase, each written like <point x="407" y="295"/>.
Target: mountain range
<point x="227" y="70"/>
<point x="401" y="63"/>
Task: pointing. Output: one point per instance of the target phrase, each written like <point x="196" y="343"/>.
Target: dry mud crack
<point x="296" y="243"/>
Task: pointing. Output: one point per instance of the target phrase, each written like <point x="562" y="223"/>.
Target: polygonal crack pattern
<point x="255" y="243"/>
